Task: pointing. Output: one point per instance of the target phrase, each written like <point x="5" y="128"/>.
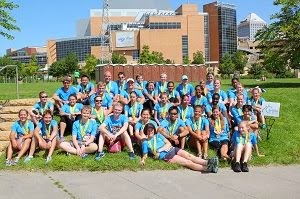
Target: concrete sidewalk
<point x="260" y="182"/>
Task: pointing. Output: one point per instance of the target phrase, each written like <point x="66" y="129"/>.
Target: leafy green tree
<point x="9" y="71"/>
<point x="226" y="65"/>
<point x="239" y="59"/>
<point x="57" y="69"/>
<point x="198" y="58"/>
<point x="153" y="57"/>
<point x="145" y="55"/>
<point x="90" y="65"/>
<point x="7" y="22"/>
<point x="283" y="35"/>
<point x="186" y="60"/>
<point x="274" y="64"/>
<point x="257" y="70"/>
<point x="157" y="57"/>
<point x="31" y="68"/>
<point x="70" y="63"/>
<point x="118" y="59"/>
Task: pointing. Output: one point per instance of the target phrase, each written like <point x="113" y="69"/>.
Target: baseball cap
<point x="184" y="77"/>
<point x="130" y="79"/>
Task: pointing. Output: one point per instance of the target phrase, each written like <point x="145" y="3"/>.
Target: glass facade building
<point x="227" y="29"/>
<point x="80" y="46"/>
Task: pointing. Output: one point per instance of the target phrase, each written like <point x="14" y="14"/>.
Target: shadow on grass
<point x="276" y="85"/>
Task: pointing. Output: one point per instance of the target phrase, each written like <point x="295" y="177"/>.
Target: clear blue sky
<point x="56" y="19"/>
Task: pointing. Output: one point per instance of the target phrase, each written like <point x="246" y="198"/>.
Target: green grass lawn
<point x="283" y="147"/>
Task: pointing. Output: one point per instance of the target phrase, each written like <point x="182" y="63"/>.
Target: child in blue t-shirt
<point x="44" y="136"/>
<point x="20" y="137"/>
<point x="40" y="107"/>
<point x="83" y="135"/>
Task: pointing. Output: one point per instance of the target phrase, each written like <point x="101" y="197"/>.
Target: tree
<point x="256" y="70"/>
<point x="226" y="65"/>
<point x="186" y="60"/>
<point x="57" y="69"/>
<point x="145" y="55"/>
<point x="31" y="68"/>
<point x="7" y="22"/>
<point x="274" y="64"/>
<point x="153" y="57"/>
<point x="198" y="58"/>
<point x="118" y="59"/>
<point x="70" y="63"/>
<point x="239" y="59"/>
<point x="90" y="65"/>
<point x="9" y="71"/>
<point x="283" y="35"/>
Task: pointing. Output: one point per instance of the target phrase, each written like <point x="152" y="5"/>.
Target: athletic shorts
<point x="173" y="151"/>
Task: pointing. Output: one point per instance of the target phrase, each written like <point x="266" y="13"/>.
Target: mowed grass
<point x="283" y="147"/>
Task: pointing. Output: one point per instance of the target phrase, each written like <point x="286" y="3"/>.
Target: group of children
<point x="160" y="119"/>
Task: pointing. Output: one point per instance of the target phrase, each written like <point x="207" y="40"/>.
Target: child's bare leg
<point x="247" y="152"/>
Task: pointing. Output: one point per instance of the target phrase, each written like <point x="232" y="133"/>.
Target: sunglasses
<point x="173" y="113"/>
<point x="98" y="100"/>
<point x="44" y="96"/>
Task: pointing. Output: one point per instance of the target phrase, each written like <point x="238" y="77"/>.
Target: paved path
<point x="260" y="182"/>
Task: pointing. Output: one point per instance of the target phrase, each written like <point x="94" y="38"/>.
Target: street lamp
<point x="17" y="76"/>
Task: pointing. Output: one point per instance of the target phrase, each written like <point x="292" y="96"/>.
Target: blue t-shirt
<point x="115" y="125"/>
<point x="185" y="90"/>
<point x="162" y="111"/>
<point x="238" y="139"/>
<point x="112" y="89"/>
<point x="254" y="102"/>
<point x="154" y="144"/>
<point x="142" y="84"/>
<point x="161" y="88"/>
<point x="199" y="101"/>
<point x="106" y="100"/>
<point x="172" y="128"/>
<point x="209" y="86"/>
<point x="121" y="86"/>
<point x="76" y="108"/>
<point x="174" y="94"/>
<point x="85" y="89"/>
<point x="20" y="129"/>
<point x="140" y="126"/>
<point x="152" y="93"/>
<point x="208" y="108"/>
<point x="46" y="130"/>
<point x="81" y="130"/>
<point x="40" y="108"/>
<point x="136" y="108"/>
<point x="237" y="114"/>
<point x="187" y="113"/>
<point x="99" y="116"/>
<point x="219" y="137"/>
<point x="64" y="95"/>
<point x="200" y="124"/>
<point x="223" y="95"/>
<point x="232" y="95"/>
<point x="126" y="93"/>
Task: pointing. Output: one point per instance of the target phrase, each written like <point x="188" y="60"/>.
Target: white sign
<point x="124" y="39"/>
<point x="270" y="109"/>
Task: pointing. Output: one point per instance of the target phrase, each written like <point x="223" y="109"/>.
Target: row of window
<point x="164" y="25"/>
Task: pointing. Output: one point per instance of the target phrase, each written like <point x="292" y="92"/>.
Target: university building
<point x="135" y="23"/>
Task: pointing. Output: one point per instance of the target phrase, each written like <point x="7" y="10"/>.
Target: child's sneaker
<point x="131" y="155"/>
<point x="28" y="159"/>
<point x="237" y="167"/>
<point x="49" y="159"/>
<point x="68" y="154"/>
<point x="8" y="163"/>
<point x="212" y="164"/>
<point x="245" y="167"/>
<point x="99" y="156"/>
<point x="15" y="162"/>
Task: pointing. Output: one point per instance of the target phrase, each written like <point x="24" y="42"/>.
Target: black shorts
<point x="217" y="144"/>
<point x="171" y="153"/>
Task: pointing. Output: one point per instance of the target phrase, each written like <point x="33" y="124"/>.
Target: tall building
<point x="250" y="25"/>
<point x="222" y="29"/>
<point x="25" y="54"/>
<point x="135" y="23"/>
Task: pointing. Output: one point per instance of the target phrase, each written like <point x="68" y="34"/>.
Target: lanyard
<point x="85" y="88"/>
<point x="197" y="127"/>
<point x="172" y="127"/>
<point x="184" y="89"/>
<point x="144" y="124"/>
<point x="25" y="127"/>
<point x="42" y="109"/>
<point x="153" y="148"/>
<point x="134" y="108"/>
<point x="100" y="115"/>
<point x="163" y="87"/>
<point x="48" y="130"/>
<point x="240" y="111"/>
<point x="246" y="138"/>
<point x="184" y="113"/>
<point x="164" y="111"/>
<point x="83" y="129"/>
<point x="218" y="127"/>
<point x="122" y="85"/>
<point x="72" y="109"/>
<point x="171" y="94"/>
<point x="108" y="87"/>
<point x="198" y="101"/>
